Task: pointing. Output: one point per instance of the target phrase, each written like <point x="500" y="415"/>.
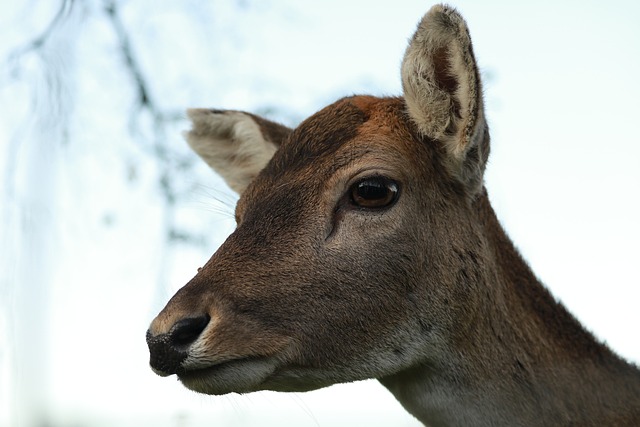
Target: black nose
<point x="168" y="351"/>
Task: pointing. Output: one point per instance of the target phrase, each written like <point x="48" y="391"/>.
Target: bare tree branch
<point x="38" y="42"/>
<point x="131" y="63"/>
<point x="170" y="162"/>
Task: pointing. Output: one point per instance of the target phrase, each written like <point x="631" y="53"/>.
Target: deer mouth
<point x="238" y="375"/>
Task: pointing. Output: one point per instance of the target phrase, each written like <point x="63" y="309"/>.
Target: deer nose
<point x="168" y="351"/>
<point x="186" y="331"/>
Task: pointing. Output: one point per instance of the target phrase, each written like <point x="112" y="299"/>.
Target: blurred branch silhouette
<point x="171" y="162"/>
<point x="59" y="95"/>
<point x="37" y="43"/>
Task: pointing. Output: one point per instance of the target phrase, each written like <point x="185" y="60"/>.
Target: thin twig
<point x="63" y="13"/>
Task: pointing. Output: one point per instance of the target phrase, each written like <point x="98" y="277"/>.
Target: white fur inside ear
<point x="231" y="143"/>
<point x="420" y="92"/>
<point x="443" y="92"/>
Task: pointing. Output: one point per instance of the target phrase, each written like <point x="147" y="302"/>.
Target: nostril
<point x="168" y="351"/>
<point x="186" y="331"/>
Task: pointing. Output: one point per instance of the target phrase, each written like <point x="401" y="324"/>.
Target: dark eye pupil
<point x="372" y="190"/>
<point x="374" y="193"/>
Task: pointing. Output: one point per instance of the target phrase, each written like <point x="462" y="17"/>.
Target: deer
<point x="366" y="247"/>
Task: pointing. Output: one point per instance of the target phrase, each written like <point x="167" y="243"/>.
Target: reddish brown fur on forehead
<point x="324" y="133"/>
<point x="365" y="102"/>
<point x="387" y="116"/>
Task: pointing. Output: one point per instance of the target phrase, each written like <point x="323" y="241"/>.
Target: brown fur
<point x="428" y="295"/>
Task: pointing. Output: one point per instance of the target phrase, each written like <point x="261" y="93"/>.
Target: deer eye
<point x="373" y="193"/>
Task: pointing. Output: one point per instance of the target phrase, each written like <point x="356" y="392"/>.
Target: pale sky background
<point x="80" y="254"/>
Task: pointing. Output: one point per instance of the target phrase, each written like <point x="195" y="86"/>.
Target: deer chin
<point x="234" y="376"/>
<point x="252" y="374"/>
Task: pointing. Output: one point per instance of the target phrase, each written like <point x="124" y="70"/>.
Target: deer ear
<point x="443" y="93"/>
<point x="236" y="145"/>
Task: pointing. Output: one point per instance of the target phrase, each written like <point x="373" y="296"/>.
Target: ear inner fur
<point x="236" y="145"/>
<point x="444" y="95"/>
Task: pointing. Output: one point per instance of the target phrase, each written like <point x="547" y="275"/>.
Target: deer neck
<point x="524" y="358"/>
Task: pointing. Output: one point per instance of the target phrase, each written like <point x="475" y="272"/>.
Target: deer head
<point x="349" y="260"/>
<point x="365" y="247"/>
